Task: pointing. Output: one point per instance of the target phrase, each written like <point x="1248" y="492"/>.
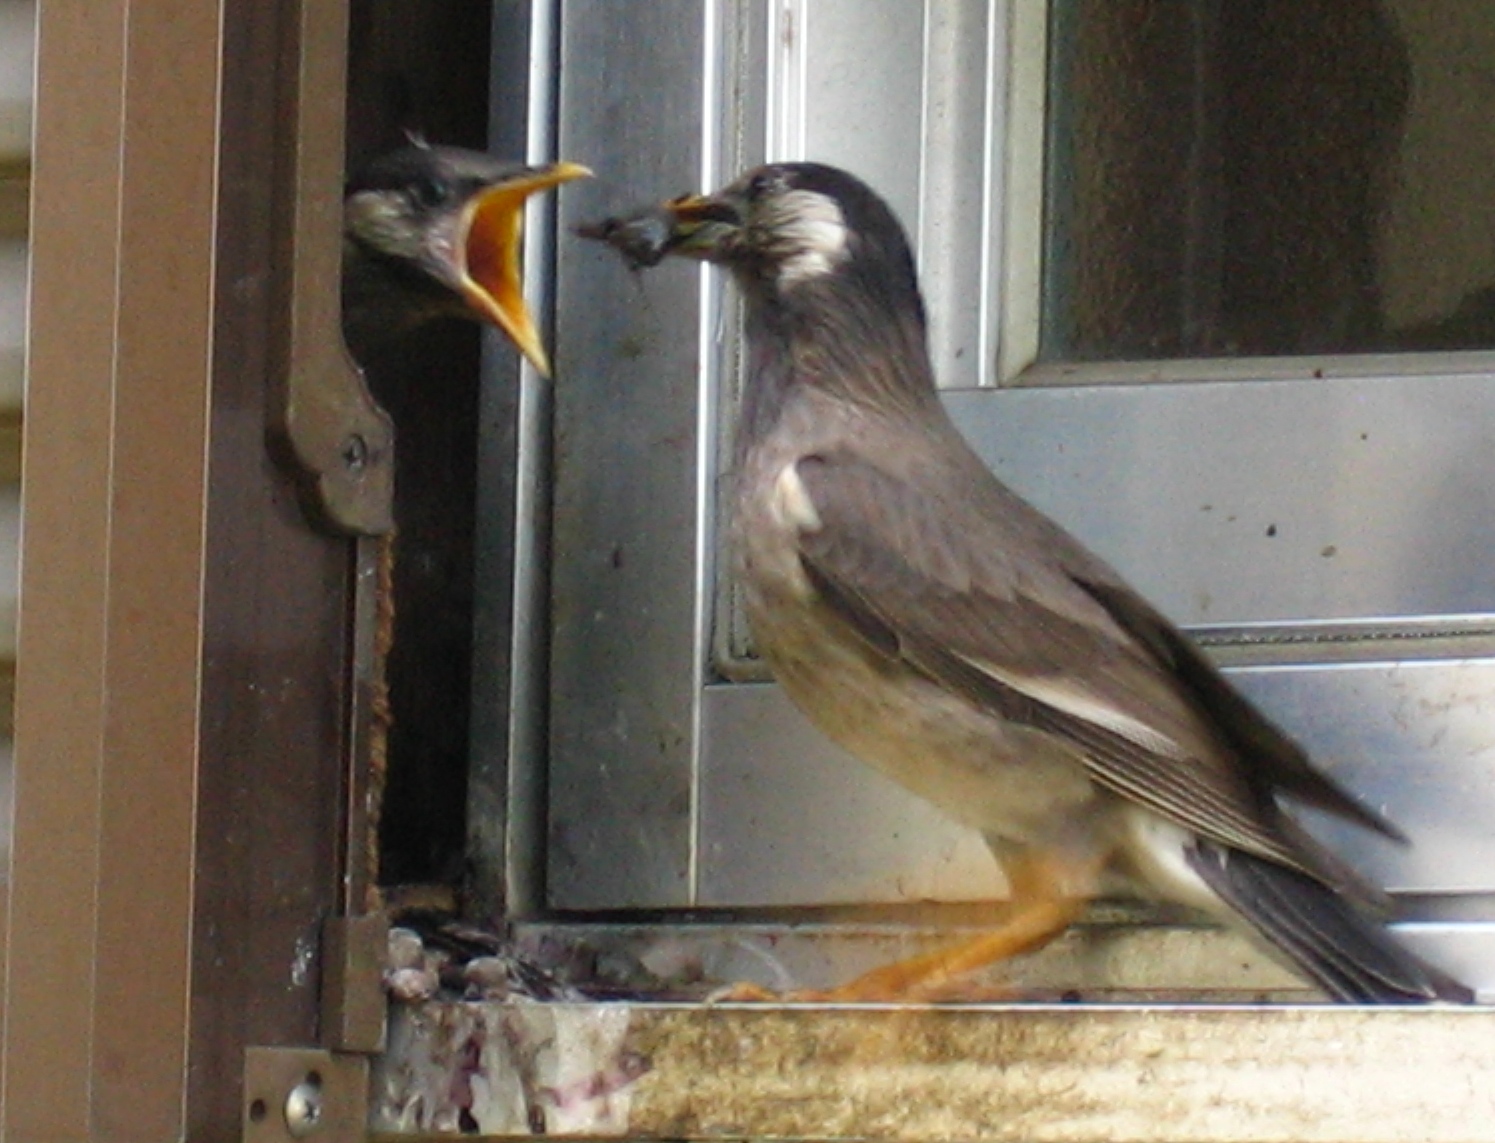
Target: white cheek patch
<point x="790" y="504"/>
<point x="811" y="231"/>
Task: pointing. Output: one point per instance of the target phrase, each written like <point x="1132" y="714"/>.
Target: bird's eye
<point x="763" y="184"/>
<point x="429" y="190"/>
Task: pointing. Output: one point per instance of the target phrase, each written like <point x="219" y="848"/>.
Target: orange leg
<point x="1048" y="895"/>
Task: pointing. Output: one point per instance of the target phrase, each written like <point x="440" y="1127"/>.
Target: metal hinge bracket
<point x="339" y="438"/>
<point x="322" y="1093"/>
<point x="305" y="1093"/>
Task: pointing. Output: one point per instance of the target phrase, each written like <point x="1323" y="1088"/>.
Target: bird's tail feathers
<point x="1326" y="866"/>
<point x="1348" y="954"/>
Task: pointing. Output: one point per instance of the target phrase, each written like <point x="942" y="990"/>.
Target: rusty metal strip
<point x="369" y="720"/>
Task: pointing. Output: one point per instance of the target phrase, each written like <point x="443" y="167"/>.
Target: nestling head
<point x="436" y="231"/>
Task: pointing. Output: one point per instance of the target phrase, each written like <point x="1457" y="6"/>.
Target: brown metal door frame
<point x="180" y="717"/>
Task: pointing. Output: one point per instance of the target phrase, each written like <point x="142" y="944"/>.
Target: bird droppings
<point x="1064" y="1073"/>
<point x="512" y="1067"/>
<point x="525" y="1061"/>
<point x="303" y="961"/>
<point x="432" y="955"/>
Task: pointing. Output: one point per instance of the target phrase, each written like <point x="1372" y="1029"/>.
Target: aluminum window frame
<point x="638" y="777"/>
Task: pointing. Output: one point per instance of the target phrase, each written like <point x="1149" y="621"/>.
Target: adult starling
<point x="435" y="231"/>
<point x="948" y="633"/>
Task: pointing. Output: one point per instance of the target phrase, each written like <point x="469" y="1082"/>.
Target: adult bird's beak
<point x="704" y="225"/>
<point x="486" y="254"/>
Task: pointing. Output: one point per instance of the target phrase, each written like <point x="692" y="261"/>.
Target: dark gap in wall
<point x="424" y="68"/>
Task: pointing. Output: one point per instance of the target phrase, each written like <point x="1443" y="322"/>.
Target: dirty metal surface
<point x="1033" y="1072"/>
<point x="1124" y="951"/>
<point x="1120" y="953"/>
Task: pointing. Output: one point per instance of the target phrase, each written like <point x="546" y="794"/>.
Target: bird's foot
<point x="965" y="992"/>
<point x="1043" y="906"/>
<point x="746" y="992"/>
<point x="860" y="991"/>
<point x="933" y="979"/>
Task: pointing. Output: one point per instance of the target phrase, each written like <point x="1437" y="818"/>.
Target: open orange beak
<point x="490" y="237"/>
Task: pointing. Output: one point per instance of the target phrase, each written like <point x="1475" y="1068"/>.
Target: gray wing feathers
<point x="999" y="604"/>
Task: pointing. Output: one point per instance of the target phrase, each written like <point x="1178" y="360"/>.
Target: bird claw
<point x="746" y="992"/>
<point x="954" y="991"/>
<point x="964" y="992"/>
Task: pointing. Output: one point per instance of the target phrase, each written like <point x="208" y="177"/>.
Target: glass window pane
<point x="1264" y="177"/>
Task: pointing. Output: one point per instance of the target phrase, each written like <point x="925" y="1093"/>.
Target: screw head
<point x="303" y="1109"/>
<point x="355" y="452"/>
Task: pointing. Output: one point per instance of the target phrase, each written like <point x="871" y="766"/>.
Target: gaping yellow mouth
<point x="490" y="238"/>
